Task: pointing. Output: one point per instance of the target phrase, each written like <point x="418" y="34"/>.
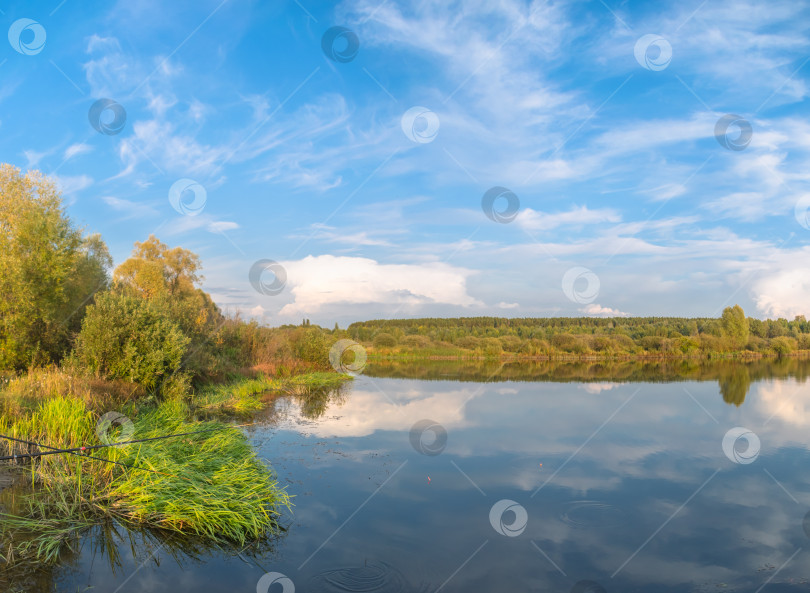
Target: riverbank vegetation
<point x="79" y="341"/>
<point x="731" y="335"/>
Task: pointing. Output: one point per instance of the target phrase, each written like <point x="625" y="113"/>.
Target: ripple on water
<point x="372" y="576"/>
<point x="592" y="513"/>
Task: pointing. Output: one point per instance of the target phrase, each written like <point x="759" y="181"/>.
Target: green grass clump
<point x="245" y="395"/>
<point x="209" y="484"/>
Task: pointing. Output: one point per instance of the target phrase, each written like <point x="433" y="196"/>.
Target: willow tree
<point x="49" y="270"/>
<point x="169" y="278"/>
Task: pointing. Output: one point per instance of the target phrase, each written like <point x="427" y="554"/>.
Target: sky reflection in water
<point x="624" y="484"/>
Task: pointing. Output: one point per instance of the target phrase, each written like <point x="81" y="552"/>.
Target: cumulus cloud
<point x="318" y="281"/>
<point x="784" y="293"/>
<point x="596" y="309"/>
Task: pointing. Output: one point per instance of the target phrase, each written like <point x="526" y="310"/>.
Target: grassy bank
<point x="209" y="484"/>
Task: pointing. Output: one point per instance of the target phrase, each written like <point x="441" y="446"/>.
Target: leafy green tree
<point x="169" y="278"/>
<point x="735" y="326"/>
<point x="126" y="337"/>
<point x="49" y="271"/>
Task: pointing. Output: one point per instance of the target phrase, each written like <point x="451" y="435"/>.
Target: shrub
<point x="603" y="344"/>
<point x="415" y="341"/>
<point x="652" y="343"/>
<point x="569" y="343"/>
<point x="491" y="346"/>
<point x="469" y="342"/>
<point x="124" y="337"/>
<point x="510" y="343"/>
<point x="686" y="344"/>
<point x="384" y="340"/>
<point x="783" y="345"/>
<point x="311" y="345"/>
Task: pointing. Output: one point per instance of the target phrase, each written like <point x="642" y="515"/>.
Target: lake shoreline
<point x="740" y="356"/>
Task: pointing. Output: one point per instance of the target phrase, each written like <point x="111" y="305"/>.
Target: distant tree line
<point x="733" y="332"/>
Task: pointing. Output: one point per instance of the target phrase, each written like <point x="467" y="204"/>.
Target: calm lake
<point x="462" y="477"/>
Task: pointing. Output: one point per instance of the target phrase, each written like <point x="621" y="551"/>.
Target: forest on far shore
<point x="733" y="334"/>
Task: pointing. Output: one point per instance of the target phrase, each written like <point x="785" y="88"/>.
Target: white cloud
<point x="220" y="226"/>
<point x="130" y="208"/>
<point x="70" y="184"/>
<point x="76" y="149"/>
<point x="184" y="224"/>
<point x="786" y="292"/>
<point x="596" y="309"/>
<point x="504" y="305"/>
<point x="319" y="281"/>
<point x="33" y="158"/>
<point x="535" y="220"/>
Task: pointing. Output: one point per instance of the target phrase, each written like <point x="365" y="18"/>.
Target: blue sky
<point x="598" y="119"/>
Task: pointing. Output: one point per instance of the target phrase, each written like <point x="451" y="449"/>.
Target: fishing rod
<point x="80" y="451"/>
<point x="54" y="451"/>
<point x="57" y="451"/>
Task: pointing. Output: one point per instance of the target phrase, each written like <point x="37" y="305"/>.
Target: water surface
<point x="612" y="477"/>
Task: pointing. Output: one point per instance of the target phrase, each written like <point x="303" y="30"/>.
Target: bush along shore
<point x="92" y="356"/>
